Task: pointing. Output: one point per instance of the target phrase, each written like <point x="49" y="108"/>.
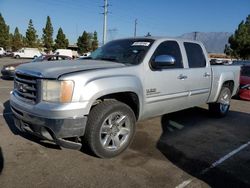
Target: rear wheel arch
<point x="229" y="84"/>
<point x="221" y="107"/>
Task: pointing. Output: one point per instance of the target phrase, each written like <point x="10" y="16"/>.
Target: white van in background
<point x="27" y="53"/>
<point x="2" y="52"/>
<point x="65" y="52"/>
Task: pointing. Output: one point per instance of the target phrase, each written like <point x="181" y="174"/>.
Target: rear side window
<point x="170" y="48"/>
<point x="195" y="55"/>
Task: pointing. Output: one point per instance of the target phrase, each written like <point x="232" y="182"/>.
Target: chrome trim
<point x="166" y="97"/>
<point x="30" y="73"/>
<point x="199" y="91"/>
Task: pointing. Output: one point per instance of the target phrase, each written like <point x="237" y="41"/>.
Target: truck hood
<point x="58" y="68"/>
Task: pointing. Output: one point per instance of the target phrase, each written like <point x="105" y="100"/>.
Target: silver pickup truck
<point x="97" y="100"/>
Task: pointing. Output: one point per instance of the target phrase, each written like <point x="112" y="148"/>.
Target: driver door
<point x="166" y="89"/>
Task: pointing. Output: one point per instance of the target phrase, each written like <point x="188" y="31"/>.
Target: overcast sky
<point x="159" y="17"/>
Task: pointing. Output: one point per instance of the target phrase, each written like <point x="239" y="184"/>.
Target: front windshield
<point x="126" y="51"/>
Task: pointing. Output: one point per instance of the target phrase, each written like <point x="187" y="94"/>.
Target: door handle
<point x="207" y="74"/>
<point x="182" y="77"/>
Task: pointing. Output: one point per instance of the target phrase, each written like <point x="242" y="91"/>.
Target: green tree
<point x="61" y="42"/>
<point x="84" y="42"/>
<point x="240" y="41"/>
<point x="48" y="35"/>
<point x="94" y="43"/>
<point x="17" y="42"/>
<point x="31" y="36"/>
<point x="4" y="33"/>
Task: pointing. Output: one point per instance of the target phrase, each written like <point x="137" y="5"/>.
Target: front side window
<point x="169" y="48"/>
<point x="195" y="55"/>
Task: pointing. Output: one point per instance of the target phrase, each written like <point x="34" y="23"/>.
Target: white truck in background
<point x="27" y="53"/>
<point x="65" y="52"/>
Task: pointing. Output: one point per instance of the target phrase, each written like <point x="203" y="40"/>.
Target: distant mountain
<point x="214" y="41"/>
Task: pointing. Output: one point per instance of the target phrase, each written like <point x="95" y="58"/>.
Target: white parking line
<point x="221" y="160"/>
<point x="216" y="163"/>
<point x="184" y="183"/>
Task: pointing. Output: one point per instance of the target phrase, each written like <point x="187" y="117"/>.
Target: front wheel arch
<point x="96" y="119"/>
<point x="129" y="98"/>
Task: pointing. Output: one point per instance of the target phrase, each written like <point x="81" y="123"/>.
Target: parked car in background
<point x="8" y="53"/>
<point x="241" y="62"/>
<point x="2" y="52"/>
<point x="215" y="61"/>
<point x="244" y="91"/>
<point x="8" y="71"/>
<point x="27" y="53"/>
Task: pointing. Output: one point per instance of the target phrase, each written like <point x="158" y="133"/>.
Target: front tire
<point x="110" y="128"/>
<point x="221" y="107"/>
<point x="17" y="56"/>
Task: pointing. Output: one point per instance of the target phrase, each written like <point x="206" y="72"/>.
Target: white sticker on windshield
<point x="141" y="44"/>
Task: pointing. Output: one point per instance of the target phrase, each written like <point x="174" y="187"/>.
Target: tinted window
<point x="195" y="55"/>
<point x="170" y="48"/>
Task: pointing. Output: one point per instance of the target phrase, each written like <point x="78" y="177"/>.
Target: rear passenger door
<point x="199" y="74"/>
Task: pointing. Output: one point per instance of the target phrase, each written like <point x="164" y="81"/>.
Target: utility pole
<point x="135" y="27"/>
<point x="104" y="38"/>
<point x="195" y="35"/>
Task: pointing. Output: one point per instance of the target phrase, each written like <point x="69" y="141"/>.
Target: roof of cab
<point x="161" y="38"/>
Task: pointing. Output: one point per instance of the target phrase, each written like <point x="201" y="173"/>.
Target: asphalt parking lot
<point x="189" y="148"/>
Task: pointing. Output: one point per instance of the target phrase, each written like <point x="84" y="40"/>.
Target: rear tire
<point x="221" y="107"/>
<point x="35" y="57"/>
<point x="17" y="56"/>
<point x="110" y="128"/>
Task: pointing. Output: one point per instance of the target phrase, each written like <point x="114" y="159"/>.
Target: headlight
<point x="57" y="91"/>
<point x="11" y="68"/>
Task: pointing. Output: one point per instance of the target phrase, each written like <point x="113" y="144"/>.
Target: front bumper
<point x="59" y="130"/>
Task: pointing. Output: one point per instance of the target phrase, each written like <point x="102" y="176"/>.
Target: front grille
<point x="26" y="87"/>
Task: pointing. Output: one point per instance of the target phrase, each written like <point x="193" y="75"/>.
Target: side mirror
<point x="162" y="61"/>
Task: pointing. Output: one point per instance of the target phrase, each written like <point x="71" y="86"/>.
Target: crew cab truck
<point x="97" y="101"/>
